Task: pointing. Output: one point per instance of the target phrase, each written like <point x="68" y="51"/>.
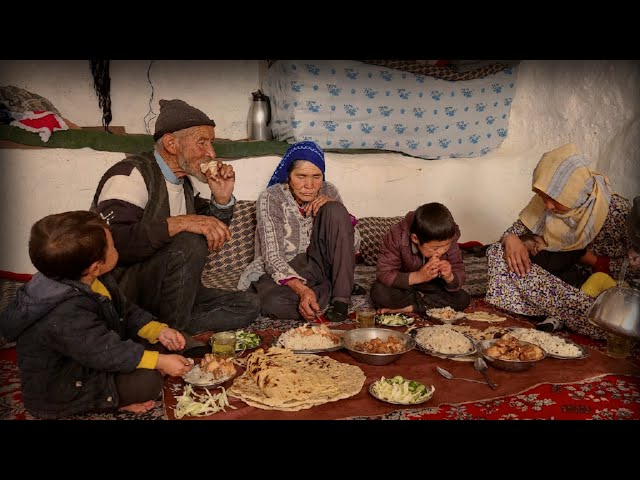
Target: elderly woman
<point x="305" y="242"/>
<point x="573" y="210"/>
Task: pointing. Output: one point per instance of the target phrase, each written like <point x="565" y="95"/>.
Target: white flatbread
<point x="281" y="380"/>
<point x="480" y="316"/>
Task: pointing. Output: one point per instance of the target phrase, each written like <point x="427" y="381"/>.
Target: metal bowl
<point x="351" y="337"/>
<point x="508" y="365"/>
<point x="617" y="310"/>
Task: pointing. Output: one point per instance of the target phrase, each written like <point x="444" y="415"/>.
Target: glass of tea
<point x="224" y="344"/>
<point x="366" y="318"/>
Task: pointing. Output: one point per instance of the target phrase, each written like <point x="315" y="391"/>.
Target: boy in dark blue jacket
<point x="79" y="342"/>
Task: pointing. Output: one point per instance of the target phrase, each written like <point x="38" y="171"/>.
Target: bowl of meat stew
<point x="377" y="346"/>
<point x="510" y="354"/>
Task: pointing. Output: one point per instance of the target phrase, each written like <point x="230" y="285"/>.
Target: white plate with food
<point x="394" y="319"/>
<point x="310" y="339"/>
<point x="401" y="391"/>
<point x="445" y="314"/>
<point x="443" y="341"/>
<point x="555" y="346"/>
<point x="478" y="335"/>
<point x="211" y="371"/>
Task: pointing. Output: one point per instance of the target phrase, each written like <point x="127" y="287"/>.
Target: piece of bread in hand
<point x="211" y="167"/>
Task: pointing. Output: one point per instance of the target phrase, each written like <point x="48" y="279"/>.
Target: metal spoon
<point x="449" y="375"/>
<point x="480" y="365"/>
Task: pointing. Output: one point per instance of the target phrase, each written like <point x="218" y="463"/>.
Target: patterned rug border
<point x="426" y="410"/>
<point x="536" y="385"/>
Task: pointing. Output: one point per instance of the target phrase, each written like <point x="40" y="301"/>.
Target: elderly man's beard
<point x="189" y="170"/>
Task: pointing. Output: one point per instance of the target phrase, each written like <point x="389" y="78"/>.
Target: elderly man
<point x="164" y="233"/>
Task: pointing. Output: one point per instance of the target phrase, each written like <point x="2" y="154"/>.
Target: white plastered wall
<point x="594" y="104"/>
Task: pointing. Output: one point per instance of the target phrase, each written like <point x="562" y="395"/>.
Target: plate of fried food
<point x="510" y="354"/>
<point x="554" y="345"/>
<point x="211" y="371"/>
<point x="445" y="315"/>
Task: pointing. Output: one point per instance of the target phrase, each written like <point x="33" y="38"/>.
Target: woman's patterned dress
<point x="541" y="293"/>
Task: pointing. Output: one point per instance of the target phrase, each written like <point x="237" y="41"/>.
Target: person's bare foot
<point x="139" y="407"/>
<point x="407" y="309"/>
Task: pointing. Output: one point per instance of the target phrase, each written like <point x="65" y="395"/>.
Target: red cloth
<point x="602" y="265"/>
<point x="470" y="244"/>
<point x="16" y="277"/>
<point x="39" y="121"/>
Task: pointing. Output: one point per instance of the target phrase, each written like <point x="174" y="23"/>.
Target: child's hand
<point x="446" y="273"/>
<point x="173" y="365"/>
<point x="430" y="270"/>
<point x="171" y="339"/>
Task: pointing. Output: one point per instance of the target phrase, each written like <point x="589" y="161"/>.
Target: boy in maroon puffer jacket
<point x="420" y="265"/>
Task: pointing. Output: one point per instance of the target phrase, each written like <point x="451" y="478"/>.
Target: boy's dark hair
<point x="64" y="245"/>
<point x="433" y="221"/>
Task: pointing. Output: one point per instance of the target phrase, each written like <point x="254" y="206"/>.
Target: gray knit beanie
<point x="633" y="224"/>
<point x="176" y="115"/>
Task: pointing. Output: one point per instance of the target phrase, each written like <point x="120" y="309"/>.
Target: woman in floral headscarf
<point x="305" y="241"/>
<point x="573" y="210"/>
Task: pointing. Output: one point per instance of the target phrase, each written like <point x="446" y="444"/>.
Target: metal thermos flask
<point x="260" y="117"/>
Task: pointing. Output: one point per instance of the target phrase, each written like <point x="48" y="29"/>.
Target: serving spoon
<point x="448" y="375"/>
<point x="480" y="365"/>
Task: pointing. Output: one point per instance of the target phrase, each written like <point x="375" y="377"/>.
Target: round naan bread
<point x="282" y="380"/>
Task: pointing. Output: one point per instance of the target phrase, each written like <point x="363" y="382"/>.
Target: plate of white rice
<point x="310" y="339"/>
<point x="443" y="341"/>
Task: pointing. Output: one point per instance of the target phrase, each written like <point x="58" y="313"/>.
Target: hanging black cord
<point x="102" y="86"/>
<point x="150" y="114"/>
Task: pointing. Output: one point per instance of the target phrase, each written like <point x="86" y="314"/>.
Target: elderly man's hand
<point x="221" y="185"/>
<point x="215" y="231"/>
<point x="516" y="254"/>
